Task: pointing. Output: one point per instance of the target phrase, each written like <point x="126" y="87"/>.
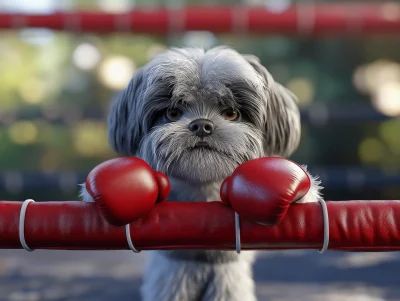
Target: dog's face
<point x="197" y="115"/>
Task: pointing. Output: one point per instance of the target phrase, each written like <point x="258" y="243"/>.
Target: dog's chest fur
<point x="182" y="191"/>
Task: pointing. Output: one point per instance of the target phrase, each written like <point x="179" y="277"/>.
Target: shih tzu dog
<point x="196" y="115"/>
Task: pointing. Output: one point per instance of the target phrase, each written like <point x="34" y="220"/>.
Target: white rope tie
<point x="326" y="229"/>
<point x="129" y="240"/>
<point x="22" y="225"/>
<point x="326" y="226"/>
<point x="237" y="233"/>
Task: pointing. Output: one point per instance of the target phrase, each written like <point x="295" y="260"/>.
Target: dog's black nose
<point x="201" y="127"/>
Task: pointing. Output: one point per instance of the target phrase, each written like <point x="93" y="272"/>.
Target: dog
<point x="196" y="115"/>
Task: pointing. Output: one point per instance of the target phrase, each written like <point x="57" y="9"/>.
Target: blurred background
<point x="55" y="91"/>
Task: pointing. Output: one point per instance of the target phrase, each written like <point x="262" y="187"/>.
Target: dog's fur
<point x="201" y="84"/>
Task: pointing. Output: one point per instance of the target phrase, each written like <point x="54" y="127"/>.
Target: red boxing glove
<point x="261" y="190"/>
<point x="125" y="189"/>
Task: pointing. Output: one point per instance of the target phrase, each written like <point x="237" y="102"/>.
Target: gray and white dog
<point x="196" y="115"/>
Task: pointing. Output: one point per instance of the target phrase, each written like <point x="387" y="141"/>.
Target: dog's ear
<point x="282" y="125"/>
<point x="124" y="126"/>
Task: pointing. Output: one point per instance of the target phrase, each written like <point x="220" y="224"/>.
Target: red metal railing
<point x="316" y="20"/>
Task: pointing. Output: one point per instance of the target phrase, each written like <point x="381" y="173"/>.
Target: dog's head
<point x="196" y="115"/>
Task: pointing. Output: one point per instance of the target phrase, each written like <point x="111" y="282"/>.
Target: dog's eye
<point x="230" y="114"/>
<point x="173" y="114"/>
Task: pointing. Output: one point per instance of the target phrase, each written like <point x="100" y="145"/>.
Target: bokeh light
<point x="203" y="39"/>
<point x="303" y="88"/>
<point x="23" y="132"/>
<point x="86" y="56"/>
<point x="387" y="99"/>
<point x="371" y="150"/>
<point x="389" y="132"/>
<point x="116" y="6"/>
<point x="277" y="6"/>
<point x="90" y="138"/>
<point x="116" y="71"/>
<point x="33" y="91"/>
<point x="391" y="11"/>
<point x="359" y="79"/>
<point x="369" y="78"/>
